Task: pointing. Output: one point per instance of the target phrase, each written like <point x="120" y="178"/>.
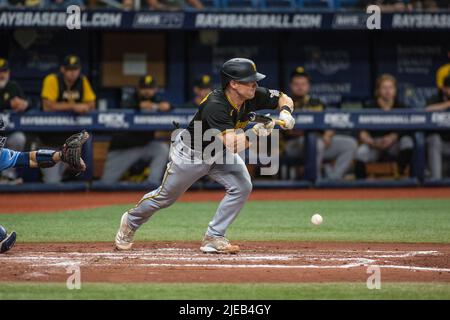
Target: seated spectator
<point x="128" y="5"/>
<point x="173" y="4"/>
<point x="330" y="146"/>
<point x="127" y="148"/>
<point x="430" y="5"/>
<point x="378" y="144"/>
<point x="387" y="5"/>
<point x="443" y="72"/>
<point x="438" y="144"/>
<point x="63" y="4"/>
<point x="26" y="3"/>
<point x="70" y="91"/>
<point x="202" y="88"/>
<point x="13" y="99"/>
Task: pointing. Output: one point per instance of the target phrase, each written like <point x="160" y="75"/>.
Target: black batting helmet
<point x="239" y="69"/>
<point x="2" y="138"/>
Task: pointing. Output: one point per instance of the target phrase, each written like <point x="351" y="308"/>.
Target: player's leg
<point x="342" y="149"/>
<point x="294" y="147"/>
<point x="238" y="186"/>
<point x="119" y="161"/>
<point x="445" y="154"/>
<point x="179" y="176"/>
<point x="158" y="152"/>
<point x="53" y="174"/>
<point x="364" y="154"/>
<point x="406" y="146"/>
<point x="16" y="141"/>
<point x="434" y="150"/>
<point x="32" y="159"/>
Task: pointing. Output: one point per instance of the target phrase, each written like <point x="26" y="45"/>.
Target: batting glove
<point x="288" y="120"/>
<point x="263" y="130"/>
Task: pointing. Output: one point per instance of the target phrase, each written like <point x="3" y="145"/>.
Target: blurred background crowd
<point x="161" y="71"/>
<point x="162" y="5"/>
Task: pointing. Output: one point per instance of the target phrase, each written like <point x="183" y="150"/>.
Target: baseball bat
<point x="254" y="117"/>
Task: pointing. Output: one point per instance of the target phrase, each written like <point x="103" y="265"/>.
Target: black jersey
<point x="10" y="91"/>
<point x="217" y="111"/>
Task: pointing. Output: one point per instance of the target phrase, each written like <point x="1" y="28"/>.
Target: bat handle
<point x="280" y="122"/>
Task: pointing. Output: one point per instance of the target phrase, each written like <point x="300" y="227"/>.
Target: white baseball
<point x="316" y="219"/>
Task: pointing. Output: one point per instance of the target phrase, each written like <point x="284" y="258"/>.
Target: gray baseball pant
<point x="367" y="154"/>
<point x="436" y="149"/>
<point x="181" y="173"/>
<point x="342" y="149"/>
<point x="119" y="161"/>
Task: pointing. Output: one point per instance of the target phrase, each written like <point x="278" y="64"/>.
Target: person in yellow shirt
<point x="68" y="90"/>
<point x="443" y="72"/>
<point x="65" y="91"/>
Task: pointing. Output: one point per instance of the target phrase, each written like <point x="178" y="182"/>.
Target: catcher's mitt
<point x="71" y="151"/>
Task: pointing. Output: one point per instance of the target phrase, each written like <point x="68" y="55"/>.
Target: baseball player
<point x="225" y="110"/>
<point x="70" y="154"/>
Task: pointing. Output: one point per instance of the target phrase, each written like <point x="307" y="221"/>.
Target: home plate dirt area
<point x="257" y="262"/>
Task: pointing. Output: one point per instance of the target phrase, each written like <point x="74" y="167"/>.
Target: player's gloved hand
<point x="263" y="129"/>
<point x="288" y="120"/>
<point x="71" y="151"/>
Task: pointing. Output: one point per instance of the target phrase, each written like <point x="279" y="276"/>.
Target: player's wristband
<point x="287" y="108"/>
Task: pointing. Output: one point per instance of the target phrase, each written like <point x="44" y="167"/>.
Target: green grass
<point x="363" y="220"/>
<point x="15" y="291"/>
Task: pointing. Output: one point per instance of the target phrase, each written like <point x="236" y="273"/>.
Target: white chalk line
<point x="271" y="266"/>
<point x="369" y="257"/>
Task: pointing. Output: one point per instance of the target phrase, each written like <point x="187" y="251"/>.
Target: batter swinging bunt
<point x="226" y="110"/>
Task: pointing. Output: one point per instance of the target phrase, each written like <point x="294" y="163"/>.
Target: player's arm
<point x="234" y="142"/>
<point x="49" y="95"/>
<point x="49" y="105"/>
<point x="366" y="138"/>
<point x="55" y="157"/>
<point x="327" y="136"/>
<point x="274" y="99"/>
<point x="440" y="106"/>
<point x="89" y="96"/>
<point x="217" y="116"/>
<point x="19" y="103"/>
<point x="70" y="153"/>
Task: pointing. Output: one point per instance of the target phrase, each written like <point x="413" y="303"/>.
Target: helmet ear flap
<point x="225" y="79"/>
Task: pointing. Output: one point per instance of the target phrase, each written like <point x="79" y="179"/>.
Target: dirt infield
<point x="288" y="262"/>
<point x="53" y="202"/>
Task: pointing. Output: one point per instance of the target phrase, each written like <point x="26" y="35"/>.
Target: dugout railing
<point x="417" y="123"/>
